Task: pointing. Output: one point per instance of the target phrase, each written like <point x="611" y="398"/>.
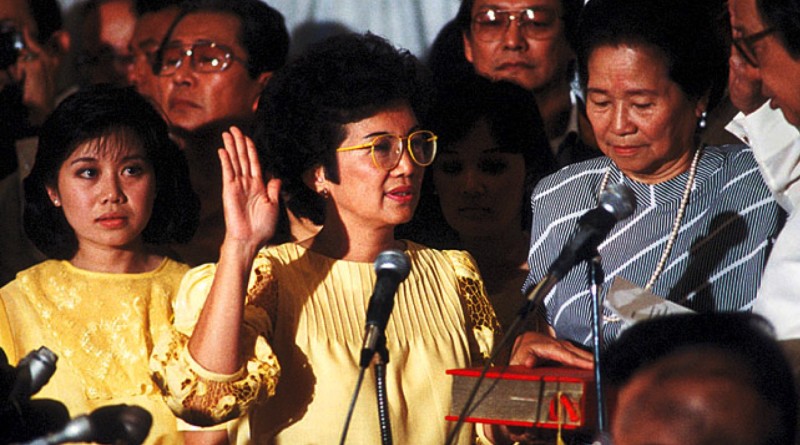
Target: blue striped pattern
<point x="718" y="257"/>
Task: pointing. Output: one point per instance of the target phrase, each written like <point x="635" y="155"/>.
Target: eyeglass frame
<point x="513" y="15"/>
<point x="744" y="45"/>
<point x="407" y="146"/>
<point x="230" y="57"/>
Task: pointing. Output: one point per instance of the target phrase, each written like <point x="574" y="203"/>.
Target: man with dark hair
<point x="530" y="43"/>
<point x="30" y="82"/>
<point x="764" y="67"/>
<point x="106" y="28"/>
<point x="152" y="23"/>
<point x="30" y="88"/>
<point x="698" y="379"/>
<point x="217" y="58"/>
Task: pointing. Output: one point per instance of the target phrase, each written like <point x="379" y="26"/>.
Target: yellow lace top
<point x="102" y="326"/>
<point x="312" y="310"/>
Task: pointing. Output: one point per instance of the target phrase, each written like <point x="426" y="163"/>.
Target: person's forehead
<point x="151" y="27"/>
<point x="219" y="27"/>
<point x="744" y="15"/>
<point x="516" y="4"/>
<point x="18" y="12"/>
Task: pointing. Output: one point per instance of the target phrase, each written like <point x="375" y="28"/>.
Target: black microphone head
<point x="32" y="373"/>
<point x="619" y="200"/>
<point x="394" y="261"/>
<point x="33" y="418"/>
<point x="128" y="423"/>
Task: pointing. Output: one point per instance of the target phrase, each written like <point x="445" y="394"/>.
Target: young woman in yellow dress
<point x="107" y="187"/>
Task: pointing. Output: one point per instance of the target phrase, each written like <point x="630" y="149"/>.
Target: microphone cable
<point x="352" y="406"/>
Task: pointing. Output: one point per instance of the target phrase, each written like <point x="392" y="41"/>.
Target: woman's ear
<point x="52" y="193"/>
<point x="315" y="179"/>
<point x="701" y="106"/>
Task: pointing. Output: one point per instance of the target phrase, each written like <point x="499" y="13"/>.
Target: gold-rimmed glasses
<point x="387" y="149"/>
<point x="204" y="57"/>
<point x="489" y="25"/>
<point x="744" y="45"/>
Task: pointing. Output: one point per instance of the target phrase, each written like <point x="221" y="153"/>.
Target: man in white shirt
<point x="764" y="68"/>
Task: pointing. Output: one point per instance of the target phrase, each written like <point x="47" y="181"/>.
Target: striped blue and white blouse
<point x="716" y="262"/>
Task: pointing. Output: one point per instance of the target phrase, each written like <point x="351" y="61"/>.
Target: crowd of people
<point x="192" y="225"/>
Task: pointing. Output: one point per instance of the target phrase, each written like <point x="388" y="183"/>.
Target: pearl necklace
<point x="676" y="225"/>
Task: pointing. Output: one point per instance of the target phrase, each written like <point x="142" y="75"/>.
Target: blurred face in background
<point x="777" y="68"/>
<point x="533" y="54"/>
<point x="107" y="30"/>
<point x="150" y="29"/>
<point x="480" y="187"/>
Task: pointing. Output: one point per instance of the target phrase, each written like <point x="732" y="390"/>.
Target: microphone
<point x="32" y="373"/>
<point x="392" y="267"/>
<point x="129" y="424"/>
<point x="616" y="203"/>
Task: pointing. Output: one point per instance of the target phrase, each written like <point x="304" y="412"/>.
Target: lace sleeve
<point x="480" y="315"/>
<point x="195" y="394"/>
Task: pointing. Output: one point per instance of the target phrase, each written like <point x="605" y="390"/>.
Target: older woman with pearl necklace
<point x="704" y="223"/>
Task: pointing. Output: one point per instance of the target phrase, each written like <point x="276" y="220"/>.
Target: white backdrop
<point x="411" y="24"/>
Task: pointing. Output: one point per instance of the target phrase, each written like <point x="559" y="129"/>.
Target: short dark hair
<point x="570" y="11"/>
<point x="784" y="16"/>
<point x="746" y="336"/>
<point x="513" y="119"/>
<point x="93" y="113"/>
<point x="302" y="111"/>
<point x="146" y="6"/>
<point x="263" y="34"/>
<point x="48" y="18"/>
<point x="681" y="30"/>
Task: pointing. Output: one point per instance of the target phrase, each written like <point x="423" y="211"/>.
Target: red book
<point x="546" y="397"/>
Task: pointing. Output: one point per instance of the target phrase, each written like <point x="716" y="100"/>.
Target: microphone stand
<point x="596" y="279"/>
<point x="381" y="359"/>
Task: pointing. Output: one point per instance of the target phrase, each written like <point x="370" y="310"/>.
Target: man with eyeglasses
<point x="529" y="42"/>
<point x="215" y="60"/>
<point x="32" y="82"/>
<point x="764" y="73"/>
<point x="764" y="86"/>
<point x="152" y="23"/>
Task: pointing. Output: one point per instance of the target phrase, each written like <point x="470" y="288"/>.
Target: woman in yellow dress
<point x="107" y="187"/>
<point x="339" y="130"/>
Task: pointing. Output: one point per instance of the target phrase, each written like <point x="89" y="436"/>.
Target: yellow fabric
<point x="205" y="398"/>
<point x="312" y="309"/>
<point x="102" y="327"/>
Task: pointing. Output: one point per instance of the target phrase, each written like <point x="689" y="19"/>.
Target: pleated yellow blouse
<point x="102" y="326"/>
<point x="312" y="309"/>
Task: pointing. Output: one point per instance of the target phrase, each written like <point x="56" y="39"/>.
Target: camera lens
<point x="11" y="44"/>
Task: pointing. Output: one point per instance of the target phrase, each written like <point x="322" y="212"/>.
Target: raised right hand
<point x="251" y="208"/>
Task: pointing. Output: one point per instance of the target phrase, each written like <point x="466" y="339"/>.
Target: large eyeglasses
<point x="387" y="149"/>
<point x="744" y="45"/>
<point x="489" y="25"/>
<point x="204" y="57"/>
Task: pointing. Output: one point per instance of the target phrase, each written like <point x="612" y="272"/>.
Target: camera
<point x="11" y="44"/>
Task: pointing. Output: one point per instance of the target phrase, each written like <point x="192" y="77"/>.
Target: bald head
<point x="701" y="396"/>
